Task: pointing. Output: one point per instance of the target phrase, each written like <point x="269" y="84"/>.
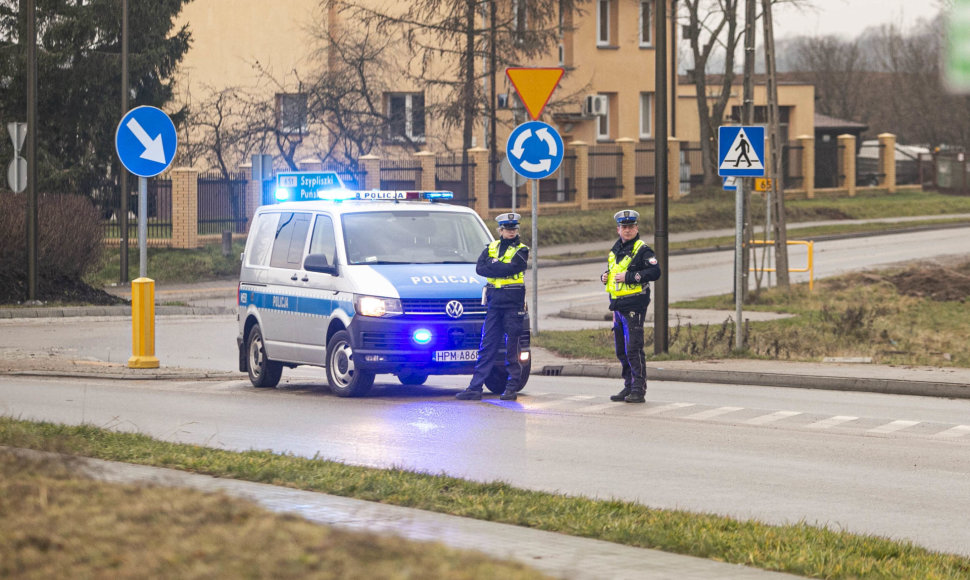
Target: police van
<point x="363" y="283"/>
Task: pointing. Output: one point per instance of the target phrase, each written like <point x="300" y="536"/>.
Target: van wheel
<point x="263" y="373"/>
<point x="495" y="381"/>
<point x="345" y="380"/>
<point x="412" y="378"/>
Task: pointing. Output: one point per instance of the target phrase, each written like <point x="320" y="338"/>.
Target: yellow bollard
<point x="143" y="324"/>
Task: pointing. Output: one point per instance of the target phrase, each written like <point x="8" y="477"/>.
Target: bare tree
<point x="443" y="40"/>
<point x="836" y="68"/>
<point x="712" y="24"/>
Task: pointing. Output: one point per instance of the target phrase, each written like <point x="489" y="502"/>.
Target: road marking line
<point x="831" y="422"/>
<point x="712" y="413"/>
<point x="664" y="408"/>
<point x="894" y="426"/>
<point x="772" y="417"/>
<point x="603" y="406"/>
<point x="559" y="401"/>
<point x="580" y="397"/>
<point x="953" y="432"/>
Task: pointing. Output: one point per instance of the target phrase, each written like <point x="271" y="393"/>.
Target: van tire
<point x="412" y="378"/>
<point x="344" y="379"/>
<point x="263" y="373"/>
<point x="495" y="381"/>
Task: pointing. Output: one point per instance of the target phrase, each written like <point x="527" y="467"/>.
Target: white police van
<point x="363" y="283"/>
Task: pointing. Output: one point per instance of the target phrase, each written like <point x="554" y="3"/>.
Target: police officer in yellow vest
<point x="503" y="263"/>
<point x="631" y="266"/>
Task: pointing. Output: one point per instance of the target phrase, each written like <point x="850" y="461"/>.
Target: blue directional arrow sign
<point x="534" y="150"/>
<point x="741" y="151"/>
<point x="146" y="141"/>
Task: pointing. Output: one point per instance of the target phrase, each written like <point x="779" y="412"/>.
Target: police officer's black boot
<point x="470" y="394"/>
<point x="510" y="394"/>
<point x="621" y="395"/>
<point x="636" y="395"/>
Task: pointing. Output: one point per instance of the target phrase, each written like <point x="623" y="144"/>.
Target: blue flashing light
<point x="339" y="194"/>
<point x="438" y="195"/>
<point x="282" y="194"/>
<point x="421" y="336"/>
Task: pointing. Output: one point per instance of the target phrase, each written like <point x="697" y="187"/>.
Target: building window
<point x="291" y="113"/>
<point x="646" y="115"/>
<point x="520" y="20"/>
<point x="646" y="22"/>
<point x="405" y="113"/>
<point x="604" y="22"/>
<point x="603" y="123"/>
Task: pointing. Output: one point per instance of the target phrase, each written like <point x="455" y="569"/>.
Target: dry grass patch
<point x="56" y="524"/>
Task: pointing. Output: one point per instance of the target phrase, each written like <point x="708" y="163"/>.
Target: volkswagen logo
<point x="454" y="309"/>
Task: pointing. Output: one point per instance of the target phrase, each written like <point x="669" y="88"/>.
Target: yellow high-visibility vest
<point x="620" y="289"/>
<point x="518" y="279"/>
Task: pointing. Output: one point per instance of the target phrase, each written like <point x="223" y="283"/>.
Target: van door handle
<point x="293" y="277"/>
<point x="305" y="278"/>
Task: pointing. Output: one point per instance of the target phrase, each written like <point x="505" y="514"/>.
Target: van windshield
<point x="413" y="237"/>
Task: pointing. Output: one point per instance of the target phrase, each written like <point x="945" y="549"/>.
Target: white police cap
<point x="626" y="216"/>
<point x="506" y="220"/>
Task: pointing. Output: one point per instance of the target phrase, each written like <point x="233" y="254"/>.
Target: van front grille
<point x="438" y="308"/>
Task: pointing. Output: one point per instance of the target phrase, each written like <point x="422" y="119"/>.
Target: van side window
<point x="262" y="234"/>
<point x="290" y="239"/>
<point x="322" y="241"/>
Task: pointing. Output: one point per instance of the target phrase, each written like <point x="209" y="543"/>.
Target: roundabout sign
<point x="534" y="150"/>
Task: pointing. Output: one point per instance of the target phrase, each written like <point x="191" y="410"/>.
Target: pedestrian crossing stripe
<point x="741" y="151"/>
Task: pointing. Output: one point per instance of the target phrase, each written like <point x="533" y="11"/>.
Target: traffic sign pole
<point x="535" y="257"/>
<point x="142" y="227"/>
<point x="738" y="264"/>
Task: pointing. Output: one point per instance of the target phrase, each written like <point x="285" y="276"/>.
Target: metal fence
<point x="646" y="169"/>
<point x="159" y="198"/>
<point x="222" y="203"/>
<point x="400" y="175"/>
<point x="605" y="172"/>
<point x="452" y="175"/>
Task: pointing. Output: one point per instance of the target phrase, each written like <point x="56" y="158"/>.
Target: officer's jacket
<point x="643" y="268"/>
<point x="508" y="296"/>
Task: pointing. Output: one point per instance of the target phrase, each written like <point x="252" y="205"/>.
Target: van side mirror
<point x="318" y="263"/>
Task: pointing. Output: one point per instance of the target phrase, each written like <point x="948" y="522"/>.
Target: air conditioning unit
<point x="595" y="105"/>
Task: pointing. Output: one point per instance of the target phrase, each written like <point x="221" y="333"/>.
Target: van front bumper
<point x="389" y="345"/>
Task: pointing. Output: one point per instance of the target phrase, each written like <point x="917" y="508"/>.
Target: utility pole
<point x="32" y="193"/>
<point x="747" y="119"/>
<point x="123" y="176"/>
<point x="660" y="241"/>
<point x="777" y="207"/>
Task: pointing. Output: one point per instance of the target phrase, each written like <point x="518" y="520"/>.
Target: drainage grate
<point x="551" y="371"/>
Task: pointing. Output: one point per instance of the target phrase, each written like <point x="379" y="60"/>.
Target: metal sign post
<point x="535" y="257"/>
<point x="745" y="145"/>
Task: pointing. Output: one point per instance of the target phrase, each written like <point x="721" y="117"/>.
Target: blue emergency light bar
<point x="341" y="194"/>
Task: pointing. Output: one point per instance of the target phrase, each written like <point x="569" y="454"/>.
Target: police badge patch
<point x="653" y="261"/>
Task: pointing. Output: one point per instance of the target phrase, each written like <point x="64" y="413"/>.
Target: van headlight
<point x="377" y="306"/>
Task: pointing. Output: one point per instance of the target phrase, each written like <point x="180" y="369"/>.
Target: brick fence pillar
<point x="887" y="161"/>
<point x="185" y="208"/>
<point x="807" y="143"/>
<point x="371" y="164"/>
<point x="428" y="170"/>
<point x="673" y="168"/>
<point x="847" y="149"/>
<point x="581" y="150"/>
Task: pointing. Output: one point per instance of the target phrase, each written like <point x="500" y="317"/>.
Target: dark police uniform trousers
<point x="505" y="315"/>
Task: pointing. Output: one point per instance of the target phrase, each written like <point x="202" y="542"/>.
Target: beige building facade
<point x="606" y="94"/>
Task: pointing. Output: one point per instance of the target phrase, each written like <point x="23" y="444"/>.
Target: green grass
<point x="884" y="315"/>
<point x="798" y="549"/>
<point x="172" y="265"/>
<point x="709" y="208"/>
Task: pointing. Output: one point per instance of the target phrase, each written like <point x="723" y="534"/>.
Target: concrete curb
<point x="120" y="310"/>
<point x="858" y="384"/>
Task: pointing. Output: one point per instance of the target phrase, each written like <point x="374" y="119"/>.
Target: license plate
<point x="455" y="355"/>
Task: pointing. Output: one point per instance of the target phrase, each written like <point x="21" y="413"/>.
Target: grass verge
<point x="799" y="549"/>
<point x="58" y="524"/>
<point x="909" y="316"/>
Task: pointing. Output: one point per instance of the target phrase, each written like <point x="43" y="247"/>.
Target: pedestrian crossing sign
<point x="741" y="151"/>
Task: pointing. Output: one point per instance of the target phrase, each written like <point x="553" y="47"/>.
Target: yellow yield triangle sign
<point x="535" y="86"/>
